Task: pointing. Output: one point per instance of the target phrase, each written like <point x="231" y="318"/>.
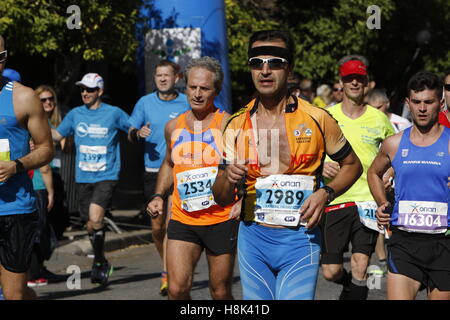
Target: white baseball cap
<point x="91" y="80"/>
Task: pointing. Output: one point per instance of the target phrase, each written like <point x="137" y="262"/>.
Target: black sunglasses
<point x="90" y="90"/>
<point x="274" y="63"/>
<point x="51" y="99"/>
<point x="3" y="55"/>
<point x="447" y="87"/>
<point x="338" y="89"/>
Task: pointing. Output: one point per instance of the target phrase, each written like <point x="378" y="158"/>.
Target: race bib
<point x="194" y="188"/>
<point x="422" y="216"/>
<point x="279" y="198"/>
<point x="367" y="214"/>
<point x="92" y="158"/>
<point x="5" y="151"/>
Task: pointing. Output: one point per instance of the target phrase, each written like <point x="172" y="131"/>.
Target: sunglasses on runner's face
<point x="338" y="89"/>
<point x="90" y="90"/>
<point x="274" y="63"/>
<point x="50" y="99"/>
<point x="447" y="86"/>
<point x="3" y="55"/>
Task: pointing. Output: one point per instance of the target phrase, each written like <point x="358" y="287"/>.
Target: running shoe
<point x="101" y="272"/>
<point x="163" y="290"/>
<point x="37" y="282"/>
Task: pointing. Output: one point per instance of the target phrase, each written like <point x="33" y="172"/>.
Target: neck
<point x="95" y="105"/>
<point x="273" y="105"/>
<point x="426" y="131"/>
<point x="201" y="115"/>
<point x="353" y="108"/>
<point x="167" y="96"/>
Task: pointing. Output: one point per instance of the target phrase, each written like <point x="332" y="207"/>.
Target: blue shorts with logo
<point x="278" y="263"/>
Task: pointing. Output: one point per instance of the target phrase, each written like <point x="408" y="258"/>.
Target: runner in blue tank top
<point x="147" y="122"/>
<point x="21" y="118"/>
<point x="419" y="249"/>
<point x="96" y="126"/>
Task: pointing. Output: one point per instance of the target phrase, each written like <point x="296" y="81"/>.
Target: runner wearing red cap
<point x="350" y="218"/>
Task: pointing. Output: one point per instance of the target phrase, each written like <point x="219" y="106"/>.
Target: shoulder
<point x="24" y="95"/>
<point x="237" y="119"/>
<point x="321" y="115"/>
<point x="146" y="98"/>
<point x="393" y="141"/>
<point x="376" y="113"/>
<point x="171" y="125"/>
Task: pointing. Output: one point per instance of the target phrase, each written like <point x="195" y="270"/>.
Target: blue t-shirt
<point x="96" y="141"/>
<point x="151" y="109"/>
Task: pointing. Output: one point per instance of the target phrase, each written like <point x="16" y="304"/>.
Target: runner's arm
<point x="350" y="170"/>
<point x="230" y="173"/>
<point x="47" y="177"/>
<point x="380" y="164"/>
<point x="33" y="118"/>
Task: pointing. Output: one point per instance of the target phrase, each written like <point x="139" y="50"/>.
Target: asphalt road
<point x="137" y="277"/>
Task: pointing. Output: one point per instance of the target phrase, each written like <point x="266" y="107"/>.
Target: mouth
<point x="266" y="82"/>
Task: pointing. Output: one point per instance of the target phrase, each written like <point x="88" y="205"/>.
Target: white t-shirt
<point x="399" y="123"/>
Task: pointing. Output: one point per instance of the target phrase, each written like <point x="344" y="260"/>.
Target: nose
<point x="423" y="107"/>
<point x="266" y="69"/>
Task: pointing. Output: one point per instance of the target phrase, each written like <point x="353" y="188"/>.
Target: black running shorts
<point x="17" y="237"/>
<point x="99" y="193"/>
<point x="341" y="227"/>
<point x="422" y="257"/>
<point x="218" y="238"/>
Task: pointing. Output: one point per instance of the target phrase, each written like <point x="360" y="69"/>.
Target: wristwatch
<point x="156" y="195"/>
<point x="330" y="192"/>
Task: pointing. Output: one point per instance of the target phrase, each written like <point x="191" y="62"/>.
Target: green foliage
<point x="324" y="31"/>
<point x="39" y="28"/>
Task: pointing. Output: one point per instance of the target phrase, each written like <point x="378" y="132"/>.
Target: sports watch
<point x="330" y="192"/>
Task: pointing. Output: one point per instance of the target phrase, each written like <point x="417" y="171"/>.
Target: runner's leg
<point x="182" y="257"/>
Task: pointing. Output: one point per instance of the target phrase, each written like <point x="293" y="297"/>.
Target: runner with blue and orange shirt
<point x="275" y="148"/>
<point x="194" y="150"/>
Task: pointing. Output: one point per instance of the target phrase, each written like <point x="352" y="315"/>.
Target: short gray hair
<point x="350" y="57"/>
<point x="377" y="94"/>
<point x="209" y="64"/>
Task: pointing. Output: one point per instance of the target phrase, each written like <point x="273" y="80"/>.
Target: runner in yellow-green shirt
<point x="350" y="218"/>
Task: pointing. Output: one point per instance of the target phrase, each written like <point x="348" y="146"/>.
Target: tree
<point x="39" y="28"/>
<point x="326" y="30"/>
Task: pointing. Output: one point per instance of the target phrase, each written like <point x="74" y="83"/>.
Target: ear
<point x="407" y="104"/>
<point x="442" y="103"/>
<point x="100" y="92"/>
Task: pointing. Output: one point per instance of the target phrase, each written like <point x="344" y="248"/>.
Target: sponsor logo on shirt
<point x="303" y="134"/>
<point x="93" y="130"/>
<point x="404" y="153"/>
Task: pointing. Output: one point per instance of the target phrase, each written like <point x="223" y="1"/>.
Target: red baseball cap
<point x="353" y="67"/>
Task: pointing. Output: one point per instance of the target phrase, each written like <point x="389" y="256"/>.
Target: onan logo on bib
<point x="196" y="176"/>
<point x="420" y="209"/>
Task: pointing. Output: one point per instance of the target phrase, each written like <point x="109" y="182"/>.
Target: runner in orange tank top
<point x="194" y="149"/>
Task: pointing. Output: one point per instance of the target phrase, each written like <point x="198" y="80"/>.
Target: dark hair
<point x="166" y="63"/>
<point x="272" y="35"/>
<point x="423" y="80"/>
